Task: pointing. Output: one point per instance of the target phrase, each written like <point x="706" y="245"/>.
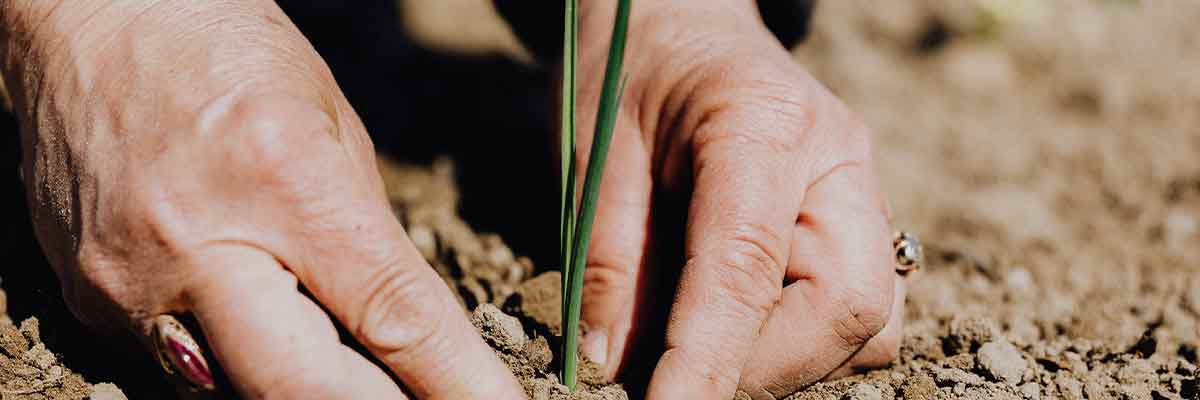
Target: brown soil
<point x="1045" y="152"/>
<point x="29" y="371"/>
<point x="487" y="277"/>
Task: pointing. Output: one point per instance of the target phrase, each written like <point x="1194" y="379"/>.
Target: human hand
<point x="198" y="157"/>
<point x="787" y="272"/>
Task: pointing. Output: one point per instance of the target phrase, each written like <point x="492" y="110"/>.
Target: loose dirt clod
<point x="864" y="391"/>
<point x="967" y="334"/>
<point x="920" y="387"/>
<point x="530" y="360"/>
<point x="540" y="300"/>
<point x="501" y="330"/>
<point x="1002" y="361"/>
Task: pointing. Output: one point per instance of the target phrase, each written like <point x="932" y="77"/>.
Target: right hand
<point x="198" y="157"/>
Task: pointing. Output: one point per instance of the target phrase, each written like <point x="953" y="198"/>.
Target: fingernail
<point x="191" y="365"/>
<point x="595" y="346"/>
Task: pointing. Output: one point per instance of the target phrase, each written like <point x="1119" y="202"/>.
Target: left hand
<point x="788" y="275"/>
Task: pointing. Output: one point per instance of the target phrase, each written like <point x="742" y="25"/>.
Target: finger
<point x="617" y="250"/>
<point x="843" y="292"/>
<point x="371" y="277"/>
<point x="273" y="342"/>
<point x="882" y="349"/>
<point x="744" y="204"/>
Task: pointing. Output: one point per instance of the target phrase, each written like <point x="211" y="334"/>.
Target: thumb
<point x="617" y="250"/>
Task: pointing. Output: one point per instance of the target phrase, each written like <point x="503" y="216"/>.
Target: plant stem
<point x="567" y="141"/>
<point x="606" y="118"/>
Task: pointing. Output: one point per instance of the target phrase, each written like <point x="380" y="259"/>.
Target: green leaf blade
<point x="568" y="212"/>
<point x="606" y="118"/>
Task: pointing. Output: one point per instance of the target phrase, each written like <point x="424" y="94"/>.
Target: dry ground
<point x="1049" y="155"/>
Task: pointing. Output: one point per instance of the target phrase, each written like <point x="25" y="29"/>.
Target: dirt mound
<point x="30" y="371"/>
<point x="488" y="276"/>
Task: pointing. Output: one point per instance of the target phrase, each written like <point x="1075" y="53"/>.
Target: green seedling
<point x="576" y="224"/>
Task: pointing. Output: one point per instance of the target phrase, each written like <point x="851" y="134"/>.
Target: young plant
<point x="576" y="225"/>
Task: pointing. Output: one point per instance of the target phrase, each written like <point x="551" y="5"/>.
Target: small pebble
<point x="864" y="391"/>
<point x="1002" y="361"/>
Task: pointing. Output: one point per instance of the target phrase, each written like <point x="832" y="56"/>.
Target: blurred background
<point x="1048" y="152"/>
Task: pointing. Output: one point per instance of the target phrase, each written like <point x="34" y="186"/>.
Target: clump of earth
<point x="30" y="371"/>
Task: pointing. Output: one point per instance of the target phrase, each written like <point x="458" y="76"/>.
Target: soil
<point x="30" y="371"/>
<point x="1045" y="152"/>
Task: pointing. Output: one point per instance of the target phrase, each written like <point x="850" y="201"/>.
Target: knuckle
<point x="604" y="278"/>
<point x="732" y="130"/>
<point x="749" y="269"/>
<point x="397" y="317"/>
<point x="270" y="133"/>
<point x="863" y="315"/>
<point x="772" y="106"/>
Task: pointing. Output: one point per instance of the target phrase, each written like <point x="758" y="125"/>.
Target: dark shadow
<point x="489" y="113"/>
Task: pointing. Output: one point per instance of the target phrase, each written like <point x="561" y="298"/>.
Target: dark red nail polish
<point x="188" y="363"/>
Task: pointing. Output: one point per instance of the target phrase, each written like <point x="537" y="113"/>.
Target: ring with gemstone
<point x="908" y="252"/>
<point x="180" y="354"/>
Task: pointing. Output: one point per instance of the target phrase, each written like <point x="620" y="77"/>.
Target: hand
<point x="787" y="273"/>
<point x="197" y="157"/>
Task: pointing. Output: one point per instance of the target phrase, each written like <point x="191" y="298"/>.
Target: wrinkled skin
<point x="197" y="157"/>
<point x="787" y="275"/>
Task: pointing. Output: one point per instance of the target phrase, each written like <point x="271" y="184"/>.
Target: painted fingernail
<point x="595" y="346"/>
<point x="190" y="364"/>
<point x="179" y="349"/>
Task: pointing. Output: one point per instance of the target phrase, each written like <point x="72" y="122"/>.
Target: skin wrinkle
<point x="688" y="98"/>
